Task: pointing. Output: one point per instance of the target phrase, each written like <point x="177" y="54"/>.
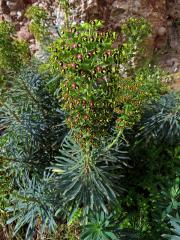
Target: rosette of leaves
<point x="90" y="179"/>
<point x="100" y="87"/>
<point x="161" y="120"/>
<point x="100" y="227"/>
<point x="107" y="227"/>
<point x="33" y="205"/>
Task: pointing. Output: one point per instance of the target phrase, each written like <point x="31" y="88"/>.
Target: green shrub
<point x="101" y="91"/>
<point x="152" y="180"/>
<point x="38" y="24"/>
<point x="13" y="53"/>
<point x="100" y="227"/>
<point x="34" y="130"/>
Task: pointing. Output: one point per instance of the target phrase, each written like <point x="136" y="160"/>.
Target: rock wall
<point x="14" y="11"/>
<point x="164" y="16"/>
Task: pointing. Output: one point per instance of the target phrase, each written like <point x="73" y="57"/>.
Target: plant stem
<point x="87" y="158"/>
<point x="115" y="140"/>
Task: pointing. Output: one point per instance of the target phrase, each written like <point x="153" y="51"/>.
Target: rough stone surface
<point x="115" y="12"/>
<point x="15" y="5"/>
<point x="164" y="16"/>
<point x="24" y="33"/>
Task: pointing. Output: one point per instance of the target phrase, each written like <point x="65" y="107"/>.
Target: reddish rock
<point x="29" y="2"/>
<point x="33" y="48"/>
<point x="13" y="13"/>
<point x="24" y="33"/>
<point x="162" y="14"/>
<point x="4" y="9"/>
<point x="6" y="17"/>
<point x="15" y="5"/>
<point x="162" y="31"/>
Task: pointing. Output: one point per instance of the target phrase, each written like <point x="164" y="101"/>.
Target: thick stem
<point x="87" y="158"/>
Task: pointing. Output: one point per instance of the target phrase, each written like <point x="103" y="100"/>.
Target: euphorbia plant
<point x="102" y="90"/>
<point x="101" y="85"/>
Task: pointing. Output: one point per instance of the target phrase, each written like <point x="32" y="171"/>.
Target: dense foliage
<point x="102" y="86"/>
<point x="33" y="203"/>
<point x="162" y="120"/>
<point x="90" y="139"/>
<point x="38" y="25"/>
<point x="34" y="123"/>
<point x="34" y="130"/>
<point x="100" y="227"/>
<point x="13" y="53"/>
<point x="175" y="223"/>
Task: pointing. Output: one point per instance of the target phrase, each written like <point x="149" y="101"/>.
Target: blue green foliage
<point x="121" y="188"/>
